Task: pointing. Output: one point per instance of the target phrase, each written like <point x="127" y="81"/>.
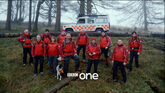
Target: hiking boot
<point x="122" y="82"/>
<point x="114" y="80"/>
<point x="41" y="73"/>
<point x="24" y="65"/>
<point x="106" y="65"/>
<point x="35" y="75"/>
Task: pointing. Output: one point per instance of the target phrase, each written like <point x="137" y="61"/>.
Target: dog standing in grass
<point x="60" y="71"/>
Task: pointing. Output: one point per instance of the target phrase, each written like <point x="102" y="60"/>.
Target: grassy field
<point x="17" y="79"/>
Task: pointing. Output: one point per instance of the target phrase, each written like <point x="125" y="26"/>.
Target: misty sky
<point x="70" y="16"/>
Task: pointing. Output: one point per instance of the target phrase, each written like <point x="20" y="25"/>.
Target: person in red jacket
<point x="105" y="44"/>
<point x="25" y="39"/>
<point x="60" y="39"/>
<point x="53" y="53"/>
<point x="93" y="51"/>
<point x="119" y="59"/>
<point x="46" y="37"/>
<point x="82" y="41"/>
<point x="69" y="51"/>
<point x="135" y="48"/>
<point x="38" y="52"/>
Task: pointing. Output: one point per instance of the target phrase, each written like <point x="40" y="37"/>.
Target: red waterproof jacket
<point x="38" y="48"/>
<point x="53" y="49"/>
<point x="135" y="44"/>
<point x="120" y="53"/>
<point x="68" y="48"/>
<point x="46" y="38"/>
<point x="82" y="39"/>
<point x="60" y="39"/>
<point x="105" y="41"/>
<point x="91" y="48"/>
<point x="27" y="42"/>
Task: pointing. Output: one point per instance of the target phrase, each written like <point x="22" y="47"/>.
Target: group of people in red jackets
<point x="64" y="48"/>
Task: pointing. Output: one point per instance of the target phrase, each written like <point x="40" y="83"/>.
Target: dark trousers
<point x="132" y="55"/>
<point x="84" y="49"/>
<point x="117" y="64"/>
<point x="53" y="62"/>
<point x="67" y="61"/>
<point x="90" y="62"/>
<point x="106" y="53"/>
<point x="37" y="58"/>
<point x="25" y="52"/>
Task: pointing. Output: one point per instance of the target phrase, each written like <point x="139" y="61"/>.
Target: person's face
<point x="68" y="36"/>
<point x="103" y="34"/>
<point x="93" y="41"/>
<point x="38" y="38"/>
<point x="63" y="33"/>
<point x="119" y="42"/>
<point x="46" y="32"/>
<point x="133" y="34"/>
<point x="26" y="32"/>
<point x="53" y="39"/>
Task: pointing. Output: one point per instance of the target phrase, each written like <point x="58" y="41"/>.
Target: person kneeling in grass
<point x="93" y="51"/>
<point x="53" y="53"/>
<point x="119" y="59"/>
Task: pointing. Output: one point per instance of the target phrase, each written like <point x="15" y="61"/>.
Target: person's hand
<point x="124" y="64"/>
<point x="106" y="47"/>
<point x="128" y="52"/>
<point x="90" y="54"/>
<point x="75" y="55"/>
<point x="24" y="40"/>
<point x="112" y="62"/>
<point x="138" y="53"/>
<point x="59" y="58"/>
<point x="94" y="53"/>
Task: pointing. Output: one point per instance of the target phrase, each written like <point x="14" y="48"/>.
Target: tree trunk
<point x="35" y="28"/>
<point x="30" y="14"/>
<point x="82" y="7"/>
<point x="8" y="20"/>
<point x="50" y="14"/>
<point x="20" y="10"/>
<point x="58" y="16"/>
<point x="89" y="7"/>
<point x="16" y="15"/>
<point x="145" y="16"/>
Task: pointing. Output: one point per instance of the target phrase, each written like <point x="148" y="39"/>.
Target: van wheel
<point x="69" y="30"/>
<point x="99" y="29"/>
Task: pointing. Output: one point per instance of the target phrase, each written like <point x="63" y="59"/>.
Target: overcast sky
<point x="70" y="17"/>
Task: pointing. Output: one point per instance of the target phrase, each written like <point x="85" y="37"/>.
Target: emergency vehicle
<point x="89" y="23"/>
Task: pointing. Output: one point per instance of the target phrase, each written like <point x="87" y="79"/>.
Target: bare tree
<point x="30" y="14"/>
<point x="8" y="20"/>
<point x="82" y="7"/>
<point x="35" y="27"/>
<point x="89" y="7"/>
<point x="142" y="12"/>
<point x="58" y="16"/>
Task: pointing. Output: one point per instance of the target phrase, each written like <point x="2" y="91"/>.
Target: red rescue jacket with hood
<point x="82" y="39"/>
<point x="105" y="41"/>
<point x="38" y="48"/>
<point x="60" y="39"/>
<point x="46" y="38"/>
<point x="135" y="44"/>
<point x="91" y="48"/>
<point x="27" y="42"/>
<point x="53" y="49"/>
<point x="120" y="53"/>
<point x="68" y="48"/>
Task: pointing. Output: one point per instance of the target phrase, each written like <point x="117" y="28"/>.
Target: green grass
<point x="19" y="79"/>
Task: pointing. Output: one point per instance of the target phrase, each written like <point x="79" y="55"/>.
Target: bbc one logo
<point x="84" y="76"/>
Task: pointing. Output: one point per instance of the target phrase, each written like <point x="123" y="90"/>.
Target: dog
<point x="60" y="71"/>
